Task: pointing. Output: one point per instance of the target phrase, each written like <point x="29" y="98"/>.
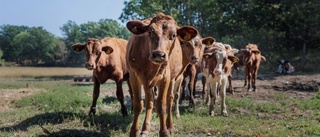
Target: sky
<point x="52" y="14"/>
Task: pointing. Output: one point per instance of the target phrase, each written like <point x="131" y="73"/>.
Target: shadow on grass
<point x="101" y="124"/>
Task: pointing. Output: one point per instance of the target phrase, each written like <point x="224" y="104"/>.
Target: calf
<point x="251" y="60"/>
<point x="193" y="48"/>
<point x="229" y="65"/>
<point x="216" y="58"/>
<point x="106" y="58"/>
<point x="236" y="66"/>
<point x="192" y="71"/>
<point x="154" y="58"/>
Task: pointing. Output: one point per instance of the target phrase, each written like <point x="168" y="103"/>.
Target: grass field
<point x="46" y="102"/>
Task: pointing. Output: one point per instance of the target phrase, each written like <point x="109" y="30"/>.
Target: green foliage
<point x="282" y="29"/>
<point x="27" y="46"/>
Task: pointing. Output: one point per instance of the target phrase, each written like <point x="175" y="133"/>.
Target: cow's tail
<point x="264" y="58"/>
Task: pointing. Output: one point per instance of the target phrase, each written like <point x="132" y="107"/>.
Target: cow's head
<point x="217" y="55"/>
<point x="250" y="48"/>
<point x="162" y="32"/>
<point x="193" y="49"/>
<point x="93" y="50"/>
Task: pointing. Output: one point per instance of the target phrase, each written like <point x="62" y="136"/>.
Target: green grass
<point x="61" y="107"/>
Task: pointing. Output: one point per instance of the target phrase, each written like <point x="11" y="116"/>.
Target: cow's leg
<point x="120" y="97"/>
<point x="137" y="105"/>
<point x="130" y="92"/>
<point x="176" y="93"/>
<point x="204" y="91"/>
<point x="192" y="83"/>
<point x="246" y="76"/>
<point x="223" y="97"/>
<point x="213" y="95"/>
<point x="254" y="77"/>
<point x="161" y="105"/>
<point x="209" y="90"/>
<point x="183" y="87"/>
<point x="173" y="95"/>
<point x="95" y="96"/>
<point x="230" y="89"/>
<point x="149" y="106"/>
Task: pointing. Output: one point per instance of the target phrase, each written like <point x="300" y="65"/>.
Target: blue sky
<point x="52" y="14"/>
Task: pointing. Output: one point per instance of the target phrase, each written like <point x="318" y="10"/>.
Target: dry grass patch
<point x="41" y="71"/>
<point x="8" y="95"/>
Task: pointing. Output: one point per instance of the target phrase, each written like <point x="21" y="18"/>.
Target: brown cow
<point x="251" y="60"/>
<point x="194" y="46"/>
<point x="192" y="71"/>
<point x="228" y="67"/>
<point x="216" y="58"/>
<point x="154" y="58"/>
<point x="236" y="66"/>
<point x="106" y="58"/>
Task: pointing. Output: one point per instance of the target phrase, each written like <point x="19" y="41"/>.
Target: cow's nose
<point x="194" y="58"/>
<point x="159" y="55"/>
<point x="217" y="72"/>
<point x="89" y="66"/>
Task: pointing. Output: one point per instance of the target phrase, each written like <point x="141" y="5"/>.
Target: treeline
<point x="288" y="29"/>
<point x="34" y="46"/>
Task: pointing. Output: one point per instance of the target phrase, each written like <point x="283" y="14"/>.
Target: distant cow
<point x="106" y="58"/>
<point x="236" y="66"/>
<point x="192" y="71"/>
<point x="251" y="60"/>
<point x="285" y="67"/>
<point x="229" y="65"/>
<point x="154" y="58"/>
<point x="215" y="60"/>
<point x="192" y="55"/>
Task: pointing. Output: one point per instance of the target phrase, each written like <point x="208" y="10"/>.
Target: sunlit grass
<point x="61" y="107"/>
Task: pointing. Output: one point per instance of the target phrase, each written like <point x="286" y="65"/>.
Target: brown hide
<point x="192" y="70"/>
<point x="251" y="60"/>
<point x="154" y="57"/>
<point x="106" y="58"/>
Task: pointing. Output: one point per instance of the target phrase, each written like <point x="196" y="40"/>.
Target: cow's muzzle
<point x="194" y="60"/>
<point x="89" y="66"/>
<point x="158" y="57"/>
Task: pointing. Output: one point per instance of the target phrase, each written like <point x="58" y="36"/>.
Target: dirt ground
<point x="296" y="86"/>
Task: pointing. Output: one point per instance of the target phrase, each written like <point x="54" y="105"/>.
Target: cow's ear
<point x="256" y="52"/>
<point x="207" y="56"/>
<point x="208" y="41"/>
<point x="108" y="50"/>
<point x="77" y="47"/>
<point x="234" y="59"/>
<point x="137" y="27"/>
<point x="187" y="33"/>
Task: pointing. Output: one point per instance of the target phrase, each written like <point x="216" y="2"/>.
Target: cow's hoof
<point x="124" y="112"/>
<point x="92" y="111"/>
<point x="225" y="114"/>
<point x="164" y="133"/>
<point x="144" y="133"/>
<point x="211" y="113"/>
<point x="177" y="116"/>
<point x="134" y="133"/>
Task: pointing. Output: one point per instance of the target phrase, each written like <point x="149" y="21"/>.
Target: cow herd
<point x="160" y="55"/>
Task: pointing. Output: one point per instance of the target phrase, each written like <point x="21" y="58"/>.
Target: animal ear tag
<point x="208" y="43"/>
<point x="187" y="37"/>
<point x="134" y="29"/>
<point x="235" y="60"/>
<point x="108" y="52"/>
<point x="206" y="56"/>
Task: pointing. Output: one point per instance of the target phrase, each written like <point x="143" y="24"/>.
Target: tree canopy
<point x="279" y="27"/>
